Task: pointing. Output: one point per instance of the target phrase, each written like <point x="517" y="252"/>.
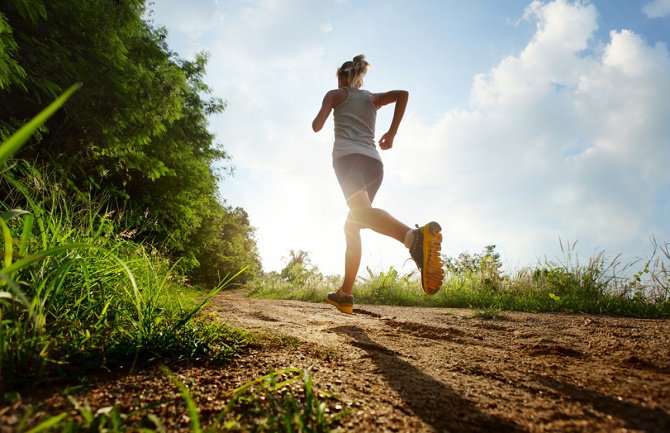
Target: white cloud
<point x="657" y="9"/>
<point x="556" y="143"/>
<point x="200" y="17"/>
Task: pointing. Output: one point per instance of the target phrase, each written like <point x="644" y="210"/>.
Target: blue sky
<point x="528" y="121"/>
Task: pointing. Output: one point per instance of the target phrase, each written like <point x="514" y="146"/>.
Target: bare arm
<point x="324" y="112"/>
<point x="399" y="98"/>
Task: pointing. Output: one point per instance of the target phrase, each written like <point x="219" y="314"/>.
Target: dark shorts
<point x="359" y="173"/>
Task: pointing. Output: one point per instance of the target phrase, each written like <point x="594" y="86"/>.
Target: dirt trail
<point x="425" y="370"/>
<point x="400" y="369"/>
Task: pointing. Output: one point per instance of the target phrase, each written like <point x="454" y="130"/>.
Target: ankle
<point x="409" y="238"/>
<point x="341" y="292"/>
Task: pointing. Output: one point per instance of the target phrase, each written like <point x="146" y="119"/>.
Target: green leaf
<point x="6" y="216"/>
<point x="7" y="236"/>
<point x="46" y="425"/>
<point x="25" y="235"/>
<point x="27" y="261"/>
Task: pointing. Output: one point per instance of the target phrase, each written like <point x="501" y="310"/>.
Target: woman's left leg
<point x="352" y="255"/>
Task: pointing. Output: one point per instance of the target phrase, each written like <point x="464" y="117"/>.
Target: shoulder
<point x="335" y="97"/>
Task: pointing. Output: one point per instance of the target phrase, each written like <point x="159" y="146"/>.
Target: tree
<point x="299" y="268"/>
<point x="137" y="129"/>
<point x="223" y="243"/>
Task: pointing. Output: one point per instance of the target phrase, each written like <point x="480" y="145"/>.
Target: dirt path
<point x="416" y="370"/>
<point x="424" y="370"/>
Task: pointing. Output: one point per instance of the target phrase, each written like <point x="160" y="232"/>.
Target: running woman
<point x="359" y="170"/>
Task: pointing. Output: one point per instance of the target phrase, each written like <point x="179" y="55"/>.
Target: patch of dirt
<point x="406" y="369"/>
<point x="438" y="369"/>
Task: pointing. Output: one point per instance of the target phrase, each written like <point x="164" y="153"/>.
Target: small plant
<point x="489" y="313"/>
<point x="389" y="287"/>
<point x="271" y="403"/>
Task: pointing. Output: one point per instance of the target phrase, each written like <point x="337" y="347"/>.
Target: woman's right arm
<point x="399" y="98"/>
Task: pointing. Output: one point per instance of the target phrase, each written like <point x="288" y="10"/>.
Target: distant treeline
<point x="135" y="133"/>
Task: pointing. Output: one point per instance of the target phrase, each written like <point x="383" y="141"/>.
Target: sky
<point x="531" y="125"/>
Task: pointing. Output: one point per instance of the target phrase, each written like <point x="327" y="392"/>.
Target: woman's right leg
<point x="362" y="214"/>
<point x="378" y="220"/>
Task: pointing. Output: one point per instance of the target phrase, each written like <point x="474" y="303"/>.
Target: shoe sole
<point x="344" y="308"/>
<point x="432" y="274"/>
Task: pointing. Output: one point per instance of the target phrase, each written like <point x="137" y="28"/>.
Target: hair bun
<point x="359" y="58"/>
<point x="354" y="70"/>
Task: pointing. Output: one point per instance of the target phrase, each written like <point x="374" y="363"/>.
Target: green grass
<point x="75" y="296"/>
<point x="477" y="282"/>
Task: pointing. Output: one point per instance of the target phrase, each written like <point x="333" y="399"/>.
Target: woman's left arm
<point x="324" y="112"/>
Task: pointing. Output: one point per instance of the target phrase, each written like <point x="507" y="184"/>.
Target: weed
<point x="490" y="313"/>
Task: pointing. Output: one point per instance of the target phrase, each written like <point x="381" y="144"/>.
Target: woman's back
<point x="355" y="120"/>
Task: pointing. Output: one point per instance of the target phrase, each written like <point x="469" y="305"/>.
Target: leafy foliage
<point x="136" y="130"/>
<point x="485" y="267"/>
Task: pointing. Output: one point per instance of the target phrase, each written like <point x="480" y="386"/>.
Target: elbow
<point x="316" y="127"/>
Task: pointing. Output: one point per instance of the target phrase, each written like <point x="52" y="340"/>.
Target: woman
<point x="359" y="171"/>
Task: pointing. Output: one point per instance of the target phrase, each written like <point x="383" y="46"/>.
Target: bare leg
<point x="362" y="214"/>
<point x="379" y="220"/>
<point x="352" y="257"/>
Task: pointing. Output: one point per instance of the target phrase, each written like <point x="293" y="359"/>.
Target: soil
<point x="406" y="369"/>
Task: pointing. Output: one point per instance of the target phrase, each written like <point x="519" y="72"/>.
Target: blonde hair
<point x="354" y="70"/>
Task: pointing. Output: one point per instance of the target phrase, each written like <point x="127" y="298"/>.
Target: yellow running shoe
<point x="344" y="303"/>
<point x="425" y="251"/>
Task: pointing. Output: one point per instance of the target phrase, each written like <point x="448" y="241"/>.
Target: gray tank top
<point x="355" y="125"/>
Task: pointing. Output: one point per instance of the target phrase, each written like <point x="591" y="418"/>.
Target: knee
<point x="359" y="215"/>
<point x="352" y="229"/>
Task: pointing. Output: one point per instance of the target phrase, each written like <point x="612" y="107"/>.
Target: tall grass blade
<point x="36" y="209"/>
<point x="25" y="234"/>
<point x="7" y="235"/>
<point x="46" y="425"/>
<point x="188" y="399"/>
<point x="14" y="143"/>
<point x="21" y="297"/>
<point x="6" y="216"/>
<point x="209" y="296"/>
<point x="133" y="283"/>
<point x="29" y="260"/>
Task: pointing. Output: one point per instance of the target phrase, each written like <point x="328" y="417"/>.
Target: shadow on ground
<point x="636" y="417"/>
<point x="434" y="402"/>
